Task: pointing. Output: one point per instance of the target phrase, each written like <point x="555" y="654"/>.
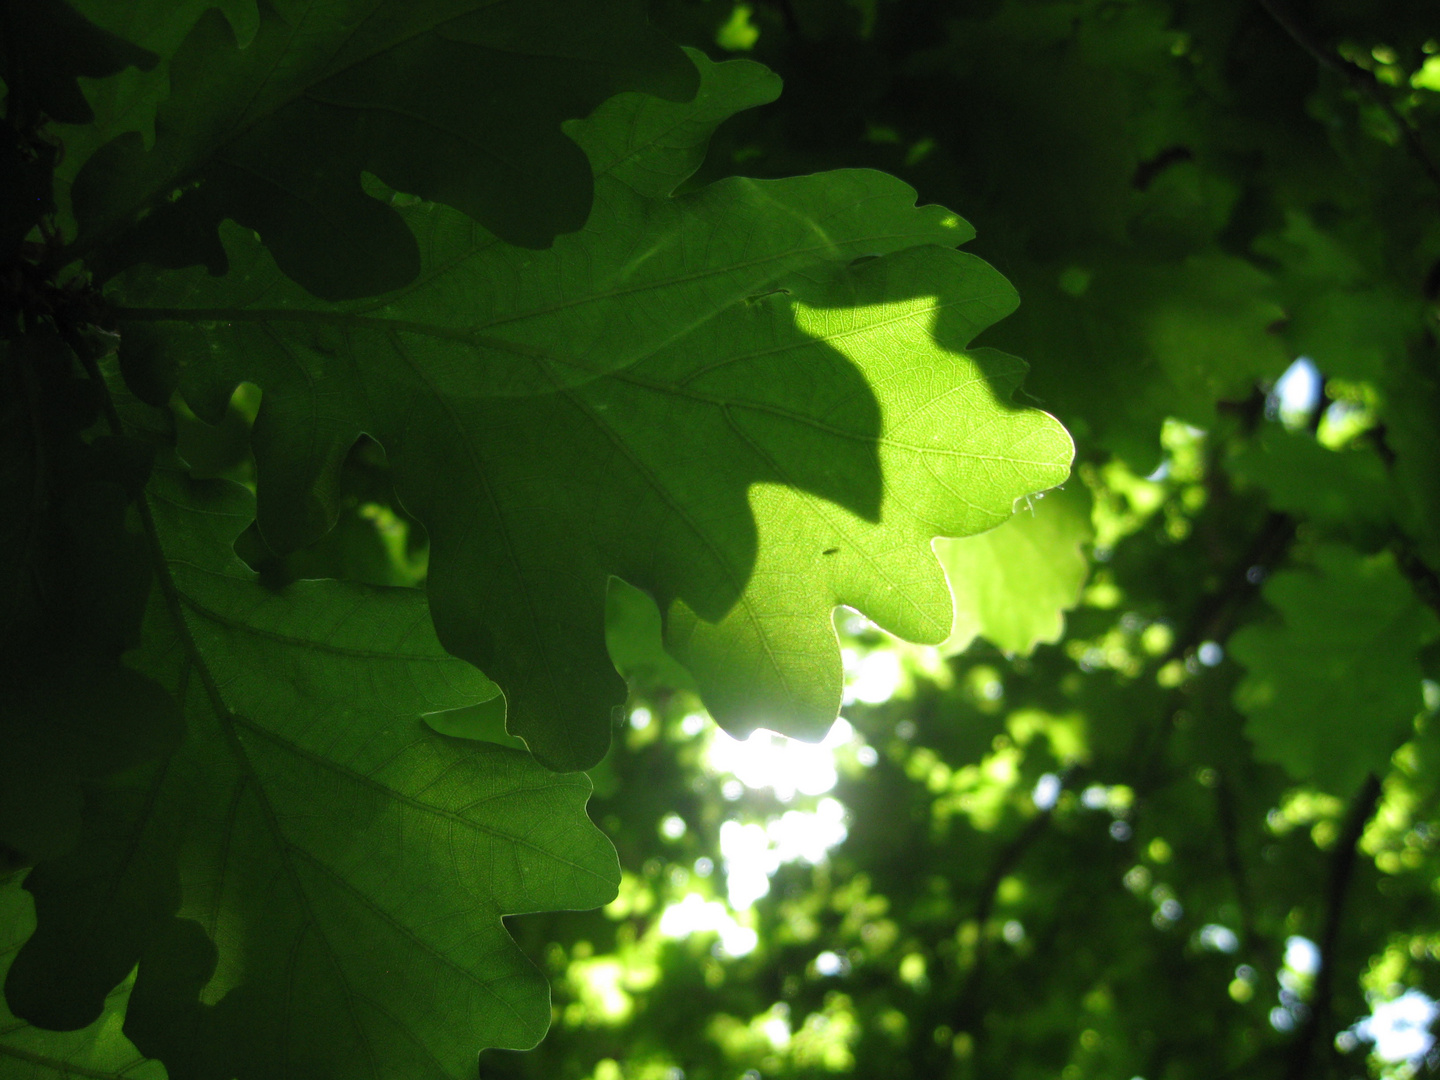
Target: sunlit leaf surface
<point x="1013" y="584"/>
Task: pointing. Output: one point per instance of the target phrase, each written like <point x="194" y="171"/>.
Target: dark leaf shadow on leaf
<point x="49" y="46"/>
<point x="99" y="1052"/>
<point x="97" y="906"/>
<point x="75" y="577"/>
<point x="668" y="450"/>
<point x="952" y="453"/>
<point x="276" y="135"/>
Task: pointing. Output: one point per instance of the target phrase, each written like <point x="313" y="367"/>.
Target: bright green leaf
<point x="953" y="451"/>
<point x="1013" y="584"/>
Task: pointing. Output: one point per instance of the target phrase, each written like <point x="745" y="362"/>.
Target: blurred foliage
<point x="1129" y="850"/>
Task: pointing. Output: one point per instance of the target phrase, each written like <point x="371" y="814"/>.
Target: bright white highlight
<point x="806" y="837"/>
<point x="1297" y="392"/>
<point x="752" y="853"/>
<point x="749" y="862"/>
<point x="872" y="677"/>
<point x="672" y="827"/>
<point x="786" y="766"/>
<point x="776" y="1029"/>
<point x="1218" y="938"/>
<point x="696" y="915"/>
<point x="1302" y="955"/>
<point x="1047" y="791"/>
<point x="692" y="723"/>
<point x="1400" y="1029"/>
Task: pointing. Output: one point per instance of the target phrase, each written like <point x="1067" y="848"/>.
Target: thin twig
<point x="1360" y="79"/>
<point x="964" y="1013"/>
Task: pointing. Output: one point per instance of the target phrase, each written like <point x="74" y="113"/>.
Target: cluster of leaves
<point x="465" y="310"/>
<point x="287" y="283"/>
<point x="1188" y="829"/>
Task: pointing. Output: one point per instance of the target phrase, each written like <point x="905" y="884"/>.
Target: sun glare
<point x="786" y="766"/>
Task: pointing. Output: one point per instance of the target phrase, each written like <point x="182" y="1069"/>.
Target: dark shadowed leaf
<point x="100" y="1051"/>
<point x="328" y="869"/>
<point x="456" y="101"/>
<point x="74" y="573"/>
<point x="48" y="46"/>
<point x="1334" y="688"/>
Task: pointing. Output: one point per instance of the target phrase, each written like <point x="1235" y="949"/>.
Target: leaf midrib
<point x="224" y="718"/>
<point x="473" y="334"/>
<point x="292" y="641"/>
<point x="61" y="1068"/>
<point x="360" y="778"/>
<point x="228" y="720"/>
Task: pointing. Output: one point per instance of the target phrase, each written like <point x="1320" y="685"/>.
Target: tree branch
<point x="1421" y="575"/>
<point x="1342" y="869"/>
<point x="1229" y="836"/>
<point x="966" y="1012"/>
<point x="1362" y="80"/>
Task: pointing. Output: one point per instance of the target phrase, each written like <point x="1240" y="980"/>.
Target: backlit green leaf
<point x="1013" y="584"/>
<point x="610" y="406"/>
<point x="953" y="451"/>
